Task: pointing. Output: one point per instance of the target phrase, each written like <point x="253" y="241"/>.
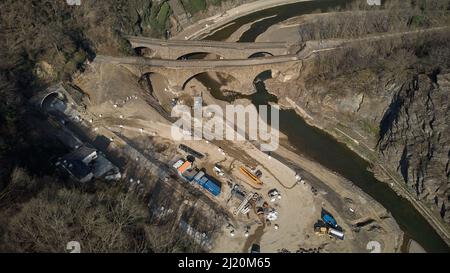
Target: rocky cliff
<point x="415" y="138"/>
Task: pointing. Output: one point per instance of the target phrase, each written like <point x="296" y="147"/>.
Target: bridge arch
<point x="146" y="52"/>
<point x="264" y="96"/>
<point x="260" y="54"/>
<point x="217" y="81"/>
<point x="200" y="55"/>
<point x="263" y="75"/>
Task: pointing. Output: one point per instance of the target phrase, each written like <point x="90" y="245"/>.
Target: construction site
<point x="225" y="126"/>
<point x="117" y="120"/>
<point x="227" y="196"/>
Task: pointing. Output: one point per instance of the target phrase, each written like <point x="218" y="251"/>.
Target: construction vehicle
<point x="254" y="181"/>
<point x="329" y="220"/>
<point x="321" y="228"/>
<point x="321" y="231"/>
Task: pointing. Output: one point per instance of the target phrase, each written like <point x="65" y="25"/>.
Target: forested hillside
<point x="44" y="42"/>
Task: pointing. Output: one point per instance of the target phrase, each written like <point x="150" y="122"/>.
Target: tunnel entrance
<point x="54" y="102"/>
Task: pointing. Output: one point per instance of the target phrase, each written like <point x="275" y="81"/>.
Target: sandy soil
<point x="205" y="26"/>
<point x="288" y="29"/>
<point x="285" y="33"/>
<point x="238" y="33"/>
<point x="414" y="247"/>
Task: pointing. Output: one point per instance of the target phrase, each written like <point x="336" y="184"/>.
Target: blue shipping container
<point x="202" y="180"/>
<point x="329" y="220"/>
<point x="212" y="187"/>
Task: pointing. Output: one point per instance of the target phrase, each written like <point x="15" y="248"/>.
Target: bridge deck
<point x="201" y="63"/>
<point x="206" y="43"/>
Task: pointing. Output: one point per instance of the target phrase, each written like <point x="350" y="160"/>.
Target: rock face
<point x="415" y="137"/>
<point x="357" y="101"/>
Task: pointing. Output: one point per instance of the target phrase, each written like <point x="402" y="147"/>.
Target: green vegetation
<point x="371" y="127"/>
<point x="158" y="17"/>
<point x="215" y="2"/>
<point x="194" y="6"/>
<point x="163" y="14"/>
<point x="420" y="21"/>
<point x="124" y="46"/>
<point x="48" y="41"/>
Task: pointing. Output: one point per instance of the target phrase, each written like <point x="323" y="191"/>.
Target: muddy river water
<point x="316" y="144"/>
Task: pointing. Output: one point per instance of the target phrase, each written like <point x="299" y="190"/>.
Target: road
<point x="196" y="63"/>
<point x="149" y="42"/>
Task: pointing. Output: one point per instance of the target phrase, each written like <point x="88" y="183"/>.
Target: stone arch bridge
<point x="175" y="49"/>
<point x="178" y="73"/>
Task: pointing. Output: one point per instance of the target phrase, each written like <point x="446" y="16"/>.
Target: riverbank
<point x="206" y="26"/>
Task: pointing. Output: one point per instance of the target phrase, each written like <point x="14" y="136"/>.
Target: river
<point x="320" y="146"/>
